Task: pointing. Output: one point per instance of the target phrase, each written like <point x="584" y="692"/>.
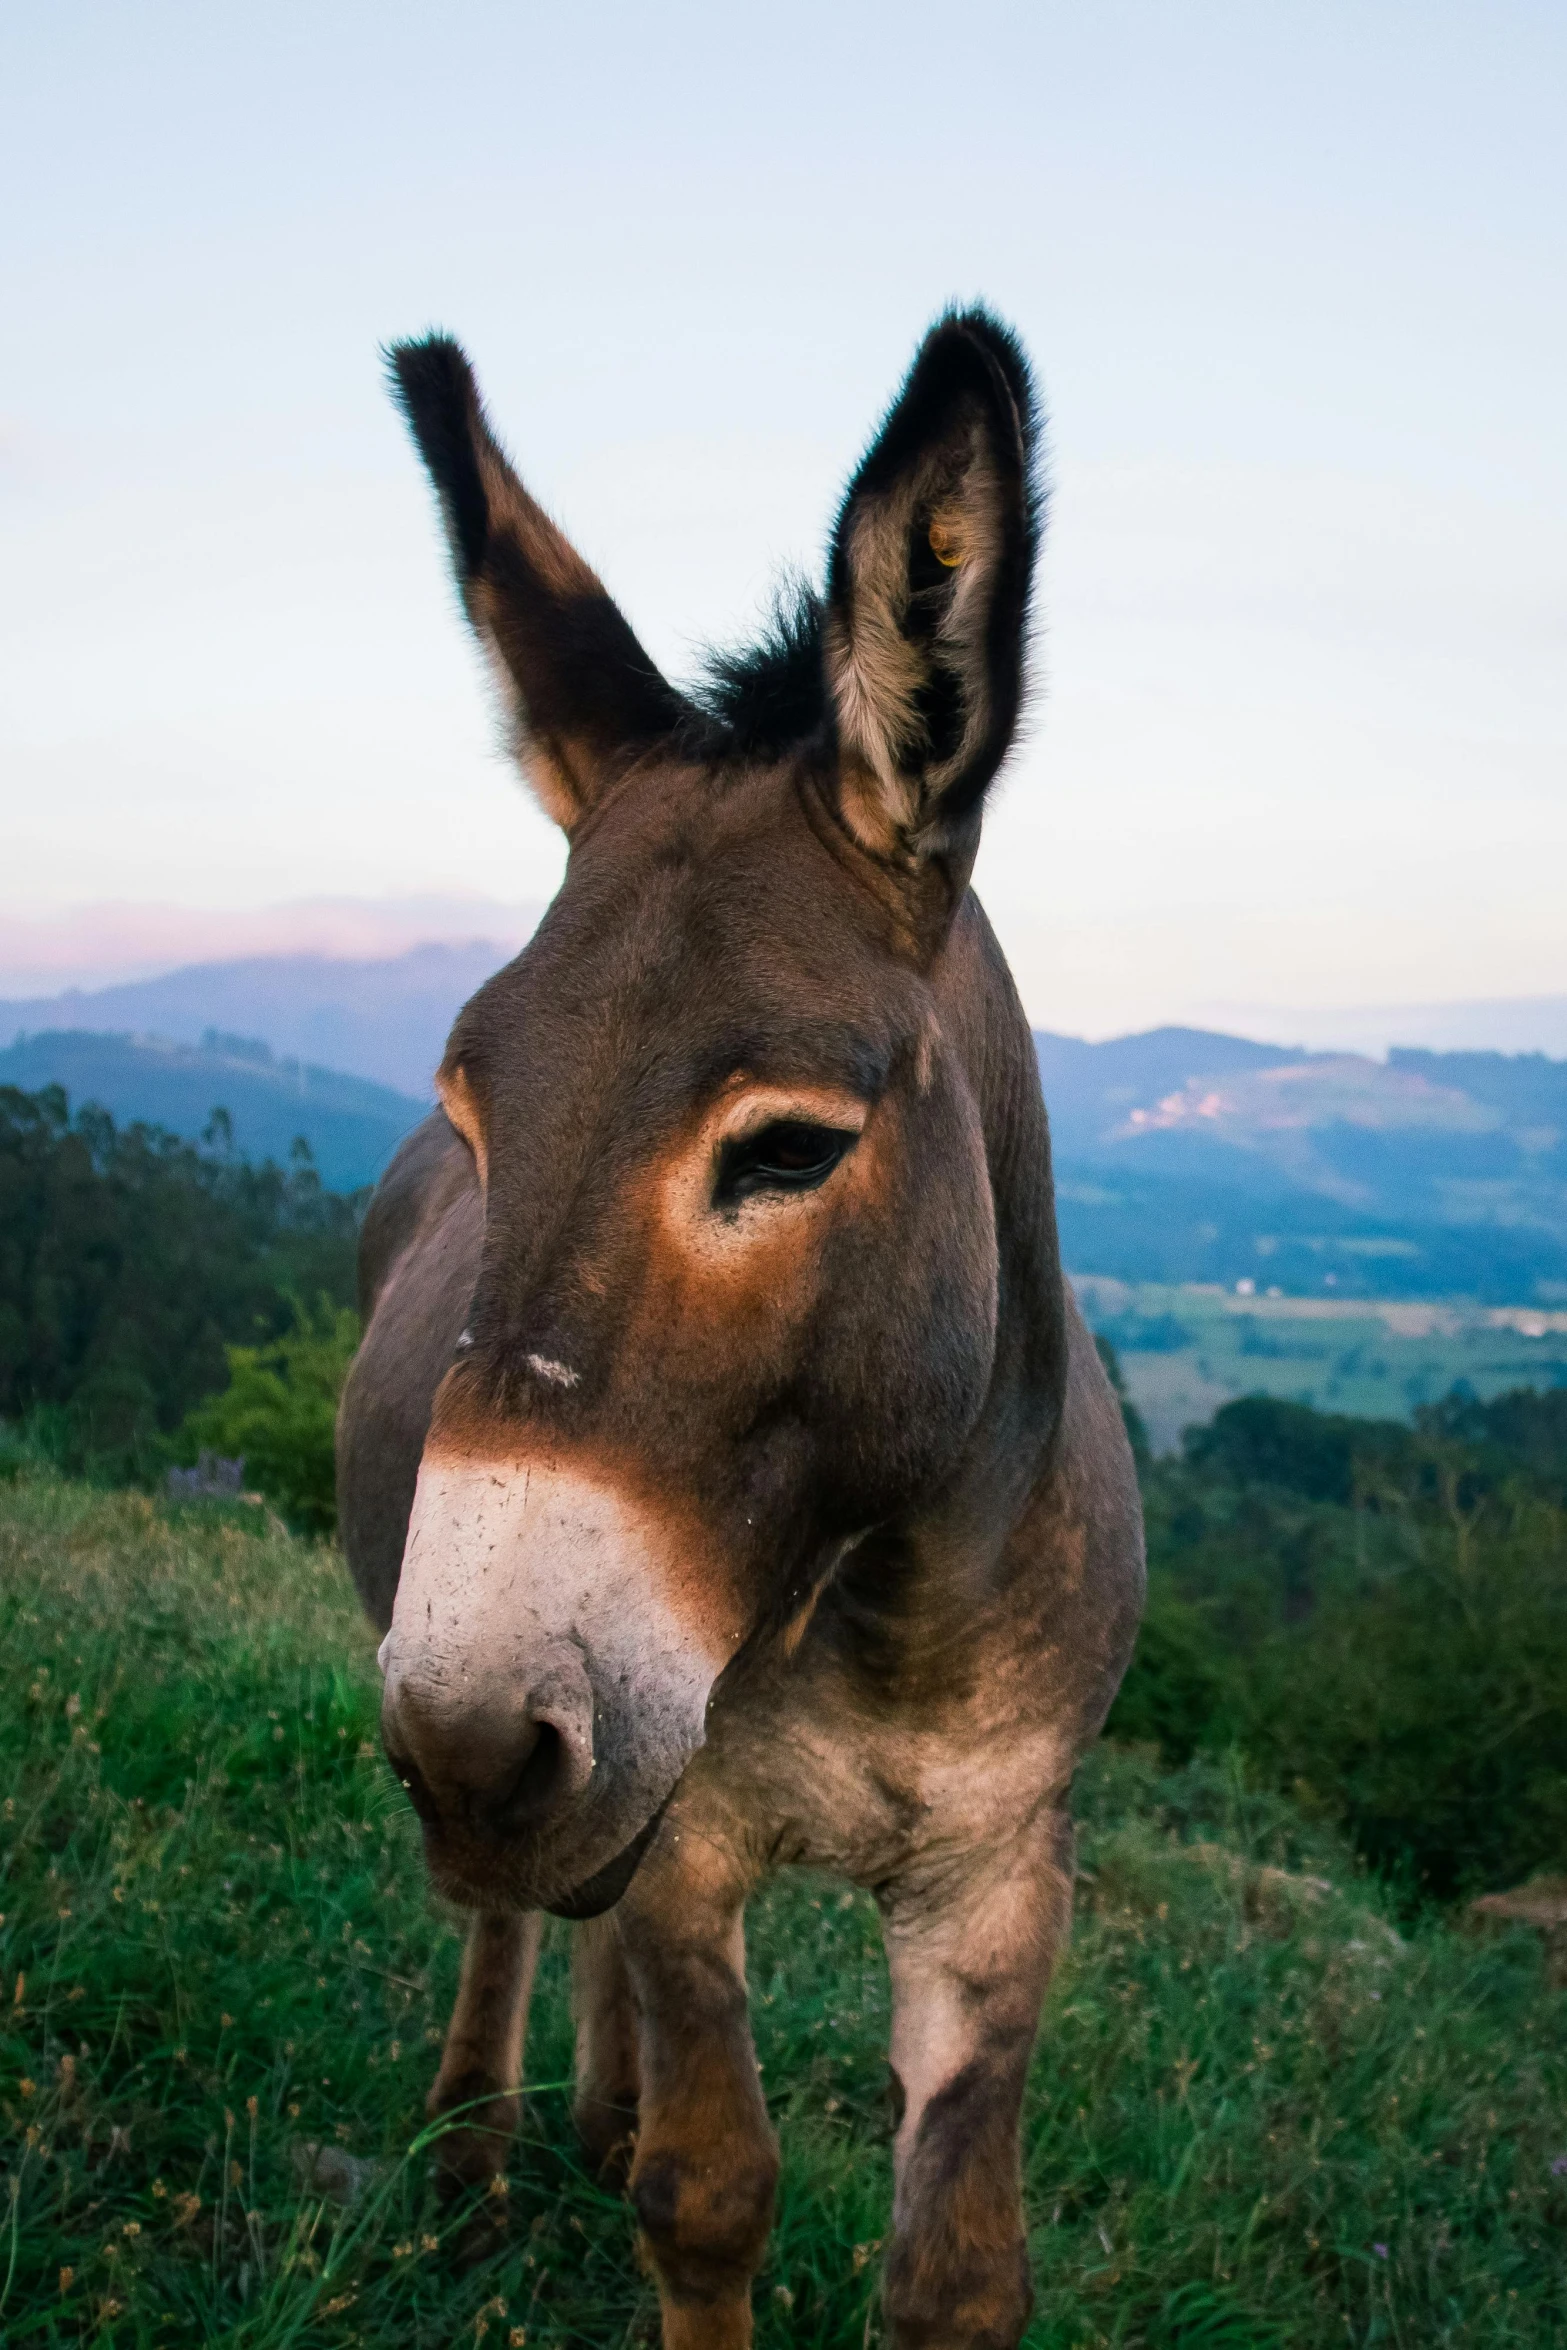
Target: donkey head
<point x="737" y="1298"/>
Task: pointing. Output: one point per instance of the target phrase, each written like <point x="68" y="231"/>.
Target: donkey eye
<point x="790" y="1155"/>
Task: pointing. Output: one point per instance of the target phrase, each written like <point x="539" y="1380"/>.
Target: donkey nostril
<point x="499" y="1768"/>
<point x="555" y="1769"/>
<point x="541" y="1781"/>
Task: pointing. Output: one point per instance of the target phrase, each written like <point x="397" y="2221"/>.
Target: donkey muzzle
<point x="546" y="1680"/>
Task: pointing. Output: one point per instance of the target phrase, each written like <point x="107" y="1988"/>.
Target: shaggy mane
<point x="762" y="699"/>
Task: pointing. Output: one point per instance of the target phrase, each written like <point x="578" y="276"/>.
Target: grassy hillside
<point x="1259" y="2115"/>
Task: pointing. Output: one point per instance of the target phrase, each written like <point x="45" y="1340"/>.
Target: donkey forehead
<point x="706" y="935"/>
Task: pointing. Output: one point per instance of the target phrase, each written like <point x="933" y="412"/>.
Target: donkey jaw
<point x="547" y="1677"/>
<point x="482" y="1877"/>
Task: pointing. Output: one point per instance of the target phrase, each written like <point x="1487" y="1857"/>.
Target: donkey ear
<point x="583" y="697"/>
<point x="928" y="587"/>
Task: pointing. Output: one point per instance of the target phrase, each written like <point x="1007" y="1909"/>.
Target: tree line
<point x="131" y="1262"/>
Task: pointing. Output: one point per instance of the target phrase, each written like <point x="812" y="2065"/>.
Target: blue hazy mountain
<point x="1186" y="1156"/>
<point x="384" y="1019"/>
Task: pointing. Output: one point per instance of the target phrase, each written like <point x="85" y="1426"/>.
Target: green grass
<point x="1256" y="2118"/>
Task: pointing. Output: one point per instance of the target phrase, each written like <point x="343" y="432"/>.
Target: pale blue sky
<point x="1293" y="276"/>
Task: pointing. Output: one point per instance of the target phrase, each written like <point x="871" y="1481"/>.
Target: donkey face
<point x="737" y="1297"/>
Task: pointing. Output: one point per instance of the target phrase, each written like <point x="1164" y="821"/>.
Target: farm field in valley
<point x="1262" y="2112"/>
<point x="1187" y="1349"/>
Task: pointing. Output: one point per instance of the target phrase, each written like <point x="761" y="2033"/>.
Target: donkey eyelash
<point x="791" y="1154"/>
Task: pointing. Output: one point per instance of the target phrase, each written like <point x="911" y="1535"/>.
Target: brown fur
<point x="762" y="1520"/>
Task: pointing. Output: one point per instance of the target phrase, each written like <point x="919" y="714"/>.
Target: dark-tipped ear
<point x="583" y="697"/>
<point x="928" y="588"/>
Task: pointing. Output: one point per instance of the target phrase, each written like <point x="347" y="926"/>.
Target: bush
<point x="1262" y="1440"/>
<point x="1430" y="1713"/>
<point x="1176" y="1692"/>
<point x="1377" y="1616"/>
<point x="279" y="1412"/>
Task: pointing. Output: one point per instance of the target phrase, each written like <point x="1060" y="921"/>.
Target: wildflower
<point x="1559" y="2167"/>
<point x="132" y="2228"/>
<point x="429" y="2243"/>
<point x="1380" y="2250"/>
<point x="517" y="2338"/>
<point x="67" y="2279"/>
<point x="27" y="2087"/>
<point x="500" y="2186"/>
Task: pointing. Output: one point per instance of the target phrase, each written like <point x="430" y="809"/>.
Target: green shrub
<point x="1176" y="1694"/>
<point x="1429" y="1713"/>
<point x="279" y="1412"/>
<point x="1263" y="1440"/>
<point x="1378" y="1616"/>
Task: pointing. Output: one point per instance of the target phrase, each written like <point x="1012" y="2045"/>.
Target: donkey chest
<point x="803" y="1777"/>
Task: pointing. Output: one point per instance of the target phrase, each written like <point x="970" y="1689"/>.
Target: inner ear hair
<point x="582" y="697"/>
<point x="928" y="592"/>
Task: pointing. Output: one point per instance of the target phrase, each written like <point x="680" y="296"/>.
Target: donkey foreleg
<point x="968" y="1978"/>
<point x="706" y="2164"/>
<point x="607" y="2073"/>
<point x="480" y="2080"/>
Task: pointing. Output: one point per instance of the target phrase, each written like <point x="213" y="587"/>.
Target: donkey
<point x="726" y="1462"/>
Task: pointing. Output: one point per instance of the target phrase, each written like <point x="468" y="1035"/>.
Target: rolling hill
<point x="1185" y="1156"/>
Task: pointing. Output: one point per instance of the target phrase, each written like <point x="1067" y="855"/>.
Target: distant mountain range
<point x="385" y="1019"/>
<point x="1181" y="1154"/>
<point x="1187" y="1156"/>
